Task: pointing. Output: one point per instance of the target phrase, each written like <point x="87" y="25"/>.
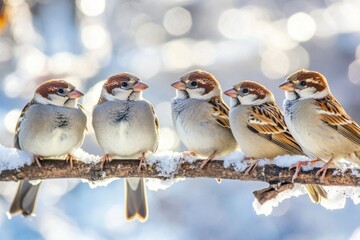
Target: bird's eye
<point x="60" y="90"/>
<point x="193" y="83"/>
<point x="245" y="90"/>
<point x="124" y="84"/>
<point x="303" y="83"/>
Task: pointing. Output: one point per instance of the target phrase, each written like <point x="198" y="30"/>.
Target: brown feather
<point x="221" y="111"/>
<point x="267" y="120"/>
<point x="333" y="114"/>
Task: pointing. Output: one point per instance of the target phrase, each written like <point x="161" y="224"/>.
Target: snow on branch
<point x="165" y="168"/>
<point x="167" y="165"/>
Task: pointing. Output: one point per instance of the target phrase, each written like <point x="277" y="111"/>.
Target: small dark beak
<point x="287" y="86"/>
<point x="231" y="93"/>
<point x="140" y="86"/>
<point x="74" y="94"/>
<point x="179" y="85"/>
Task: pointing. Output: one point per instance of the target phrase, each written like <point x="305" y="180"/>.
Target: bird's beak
<point x="140" y="86"/>
<point x="179" y="85"/>
<point x="74" y="94"/>
<point x="287" y="86"/>
<point x="231" y="93"/>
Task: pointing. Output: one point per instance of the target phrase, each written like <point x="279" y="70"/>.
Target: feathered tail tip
<point x="316" y="192"/>
<point x="25" y="199"/>
<point x="135" y="200"/>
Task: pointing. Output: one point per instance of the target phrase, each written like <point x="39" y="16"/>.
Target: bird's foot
<point x="323" y="170"/>
<point x="142" y="162"/>
<point x="70" y="158"/>
<point x="105" y="158"/>
<point x="36" y="159"/>
<point x="206" y="161"/>
<point x="298" y="166"/>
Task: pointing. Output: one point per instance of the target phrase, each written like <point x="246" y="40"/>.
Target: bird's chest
<point x="50" y="133"/>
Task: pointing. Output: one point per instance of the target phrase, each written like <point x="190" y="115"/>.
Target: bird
<point x="317" y="120"/>
<point x="52" y="124"/>
<point x="126" y="125"/>
<point x="201" y="117"/>
<point x="259" y="127"/>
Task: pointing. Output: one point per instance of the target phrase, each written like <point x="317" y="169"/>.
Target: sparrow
<point x="200" y="116"/>
<point x="126" y="126"/>
<point x="317" y="120"/>
<point x="259" y="127"/>
<point x="52" y="124"/>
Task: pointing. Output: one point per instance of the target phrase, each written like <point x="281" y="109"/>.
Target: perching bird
<point x="126" y="125"/>
<point x="51" y="124"/>
<point x="317" y="120"/>
<point x="258" y="126"/>
<point x="201" y="117"/>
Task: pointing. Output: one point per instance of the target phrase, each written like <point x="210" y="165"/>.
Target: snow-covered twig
<point x="215" y="169"/>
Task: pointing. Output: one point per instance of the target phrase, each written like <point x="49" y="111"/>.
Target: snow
<point x="12" y="158"/>
<point x="235" y="160"/>
<point x="85" y="157"/>
<point x="155" y="184"/>
<point x="99" y="183"/>
<point x="268" y="206"/>
<point x="337" y="197"/>
<point x="167" y="163"/>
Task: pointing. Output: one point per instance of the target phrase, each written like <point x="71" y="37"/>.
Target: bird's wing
<point x="334" y="115"/>
<point x="220" y="111"/>
<point x="267" y="120"/>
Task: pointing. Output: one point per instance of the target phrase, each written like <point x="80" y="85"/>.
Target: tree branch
<point x="271" y="174"/>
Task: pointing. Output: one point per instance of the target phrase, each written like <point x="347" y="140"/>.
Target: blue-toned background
<point x="86" y="41"/>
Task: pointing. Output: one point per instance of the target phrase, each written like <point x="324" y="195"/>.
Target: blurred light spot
<point x="89" y="101"/>
<point x="249" y="21"/>
<point x="150" y="34"/>
<point x="91" y="8"/>
<point x="177" y="21"/>
<point x="61" y="63"/>
<point x="298" y="58"/>
<point x="177" y="54"/>
<point x="14" y="3"/>
<point x="12" y="85"/>
<point x="146" y="63"/>
<point x="274" y="64"/>
<point x="5" y="50"/>
<point x="93" y="36"/>
<point x="354" y="72"/>
<point x="31" y="60"/>
<point x="356" y="234"/>
<point x="301" y="27"/>
<point x="277" y="37"/>
<point x="11" y="119"/>
<point x="325" y="25"/>
<point x="113" y="217"/>
<point x="204" y="53"/>
<point x="232" y="23"/>
<point x="168" y="139"/>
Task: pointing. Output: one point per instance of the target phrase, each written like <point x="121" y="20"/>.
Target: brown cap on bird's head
<point x="124" y="80"/>
<point x="305" y="79"/>
<point x="198" y="80"/>
<point x="58" y="87"/>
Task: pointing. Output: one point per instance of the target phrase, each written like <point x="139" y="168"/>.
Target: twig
<point x="271" y="174"/>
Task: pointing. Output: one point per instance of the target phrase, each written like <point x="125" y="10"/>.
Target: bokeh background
<point x="85" y="41"/>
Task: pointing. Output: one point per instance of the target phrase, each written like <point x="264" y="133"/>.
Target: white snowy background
<point x="86" y="41"/>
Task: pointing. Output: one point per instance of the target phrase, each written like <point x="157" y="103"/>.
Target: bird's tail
<point x="316" y="192"/>
<point x="25" y="199"/>
<point x="135" y="199"/>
